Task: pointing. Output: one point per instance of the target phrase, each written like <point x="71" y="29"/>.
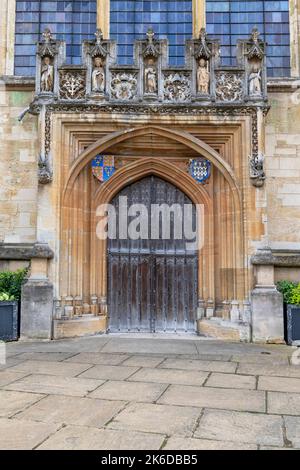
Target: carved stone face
<point x="47" y="60"/>
<point x="150" y="62"/>
<point x="202" y="63"/>
<point x="98" y="62"/>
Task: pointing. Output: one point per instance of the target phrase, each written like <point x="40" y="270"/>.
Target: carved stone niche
<point x="98" y="56"/>
<point x="151" y="55"/>
<point x="49" y="56"/>
<point x="203" y="57"/>
<point x="251" y="55"/>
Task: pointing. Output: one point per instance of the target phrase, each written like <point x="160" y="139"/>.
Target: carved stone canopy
<point x="98" y="50"/>
<point x="202" y="50"/>
<point x="151" y="49"/>
<point x="256" y="50"/>
<point x="48" y="47"/>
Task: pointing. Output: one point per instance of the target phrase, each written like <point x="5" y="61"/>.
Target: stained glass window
<point x="72" y="21"/>
<point x="231" y="20"/>
<point x="129" y="20"/>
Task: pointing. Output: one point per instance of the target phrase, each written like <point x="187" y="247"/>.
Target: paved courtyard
<point x="118" y="392"/>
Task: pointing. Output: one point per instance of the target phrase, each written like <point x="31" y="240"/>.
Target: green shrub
<point x="11" y="282"/>
<point x="295" y="296"/>
<point x="4" y="297"/>
<point x="286" y="288"/>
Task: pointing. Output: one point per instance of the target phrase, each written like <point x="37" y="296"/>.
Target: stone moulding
<point x="25" y="251"/>
<point x="276" y="258"/>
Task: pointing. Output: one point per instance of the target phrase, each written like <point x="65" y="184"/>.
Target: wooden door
<point x="152" y="282"/>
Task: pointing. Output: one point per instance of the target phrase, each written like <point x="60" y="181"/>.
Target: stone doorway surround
<point x="152" y="131"/>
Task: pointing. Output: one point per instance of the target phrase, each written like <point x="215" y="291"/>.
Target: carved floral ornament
<point x="72" y="84"/>
<point x="229" y="86"/>
<point x="177" y="87"/>
<point x="123" y="85"/>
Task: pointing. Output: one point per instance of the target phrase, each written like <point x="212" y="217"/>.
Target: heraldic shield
<point x="103" y="167"/>
<point x="200" y="169"/>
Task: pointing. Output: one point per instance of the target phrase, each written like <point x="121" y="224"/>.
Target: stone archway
<point x="84" y="269"/>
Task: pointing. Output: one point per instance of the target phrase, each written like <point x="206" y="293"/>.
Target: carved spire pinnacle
<point x="99" y="36"/>
<point x="151" y="49"/>
<point x="255" y="35"/>
<point x="47" y="35"/>
<point x="99" y="50"/>
<point x="202" y="51"/>
<point x="256" y="51"/>
<point x="48" y="47"/>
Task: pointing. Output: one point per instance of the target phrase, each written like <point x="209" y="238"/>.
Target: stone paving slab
<point x="179" y="443"/>
<point x="44" y="356"/>
<point x="55" y="385"/>
<point x="73" y="410"/>
<point x="145" y="345"/>
<point x="10" y="361"/>
<point x="279" y="384"/>
<point x="170" y="376"/>
<point x="272" y="359"/>
<point x="269" y="370"/>
<point x="246" y="382"/>
<point x="143" y="361"/>
<point x="23" y="435"/>
<point x="246" y="428"/>
<point x="293" y="430"/>
<point x="129" y="391"/>
<point x="51" y="368"/>
<point x="98" y="358"/>
<point x="209" y="366"/>
<point x="13" y="402"/>
<point x="7" y="376"/>
<point x="206" y="397"/>
<point x="284" y="403"/>
<point x="163" y="419"/>
<point x="109" y="372"/>
<point x="86" y="438"/>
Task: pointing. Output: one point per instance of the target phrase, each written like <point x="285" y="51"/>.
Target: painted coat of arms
<point x="103" y="167"/>
<point x="200" y="169"/>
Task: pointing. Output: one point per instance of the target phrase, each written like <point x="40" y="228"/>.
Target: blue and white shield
<point x="200" y="169"/>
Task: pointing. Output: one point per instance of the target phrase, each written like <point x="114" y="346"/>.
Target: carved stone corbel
<point x="257" y="172"/>
<point x="45" y="174"/>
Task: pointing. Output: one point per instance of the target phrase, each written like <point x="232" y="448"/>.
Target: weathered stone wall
<point x="283" y="170"/>
<point x="18" y="168"/>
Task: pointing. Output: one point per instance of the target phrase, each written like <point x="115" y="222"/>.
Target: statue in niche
<point x="150" y="77"/>
<point x="98" y="76"/>
<point x="203" y="77"/>
<point x="255" y="81"/>
<point x="47" y="75"/>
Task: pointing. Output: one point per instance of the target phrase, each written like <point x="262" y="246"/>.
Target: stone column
<point x="295" y="37"/>
<point x="37" y="302"/>
<point x="266" y="302"/>
<point x="7" y="36"/>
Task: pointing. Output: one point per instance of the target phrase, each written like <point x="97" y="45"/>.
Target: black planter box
<point x="9" y="321"/>
<point x="292" y="323"/>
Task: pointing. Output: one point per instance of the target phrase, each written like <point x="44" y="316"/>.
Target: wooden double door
<point x="152" y="280"/>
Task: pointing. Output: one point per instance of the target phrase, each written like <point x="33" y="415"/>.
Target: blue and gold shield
<point x="200" y="169"/>
<point x="103" y="167"/>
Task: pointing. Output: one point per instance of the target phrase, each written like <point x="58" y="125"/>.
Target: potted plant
<point x="291" y="299"/>
<point x="10" y="295"/>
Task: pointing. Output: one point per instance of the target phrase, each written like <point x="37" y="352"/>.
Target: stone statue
<point x="203" y="77"/>
<point x="255" y="82"/>
<point x="98" y="76"/>
<point x="150" y="77"/>
<point x="47" y="75"/>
